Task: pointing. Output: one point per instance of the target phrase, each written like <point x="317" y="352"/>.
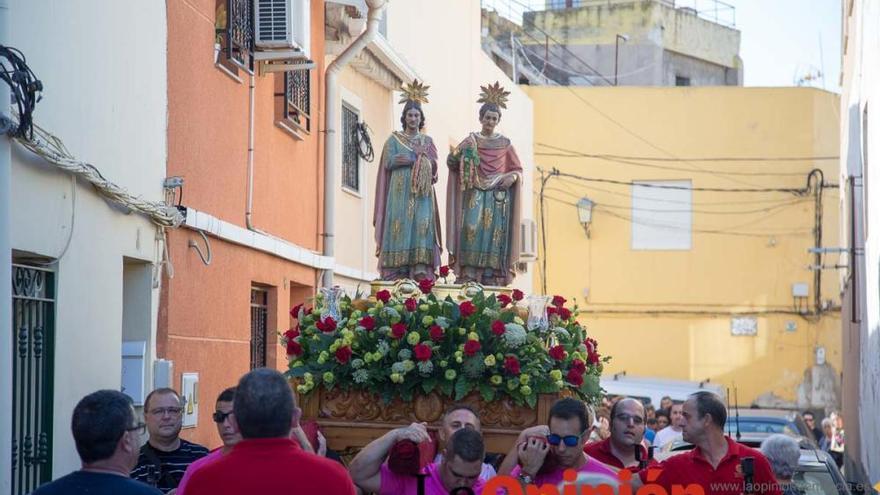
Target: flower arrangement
<point x="398" y="346"/>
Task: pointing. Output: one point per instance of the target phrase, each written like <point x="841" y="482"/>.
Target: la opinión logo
<point x="570" y="476"/>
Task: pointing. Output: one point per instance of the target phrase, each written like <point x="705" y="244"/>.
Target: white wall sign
<point x="745" y="325"/>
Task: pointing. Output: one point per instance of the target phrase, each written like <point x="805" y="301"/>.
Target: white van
<point x="650" y="390"/>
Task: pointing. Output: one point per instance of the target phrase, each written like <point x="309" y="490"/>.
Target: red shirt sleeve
<point x="764" y="477"/>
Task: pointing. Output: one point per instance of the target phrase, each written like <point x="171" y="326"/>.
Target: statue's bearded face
<point x="489" y="120"/>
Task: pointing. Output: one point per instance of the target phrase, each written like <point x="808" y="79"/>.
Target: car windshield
<point x="815" y="482"/>
<point x="765" y="426"/>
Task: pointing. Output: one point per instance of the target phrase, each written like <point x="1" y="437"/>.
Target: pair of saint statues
<point x="482" y="198"/>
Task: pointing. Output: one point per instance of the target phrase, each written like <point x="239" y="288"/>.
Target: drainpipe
<point x="249" y="209"/>
<point x="331" y="142"/>
<point x="6" y="348"/>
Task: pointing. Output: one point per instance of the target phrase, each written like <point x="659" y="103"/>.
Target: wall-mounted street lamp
<point x="585" y="213"/>
<point x="619" y="37"/>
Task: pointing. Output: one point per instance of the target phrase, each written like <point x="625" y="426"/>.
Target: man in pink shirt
<point x="458" y="472"/>
<point x="543" y="453"/>
<point x="228" y="431"/>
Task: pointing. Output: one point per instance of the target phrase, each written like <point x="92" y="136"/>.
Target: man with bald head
<point x="457" y="417"/>
<point x="627" y="431"/>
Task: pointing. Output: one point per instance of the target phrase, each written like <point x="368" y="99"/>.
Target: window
<point x="661" y="215"/>
<point x="297" y="100"/>
<point x="350" y="156"/>
<point x="682" y="81"/>
<point x="259" y="326"/>
<point x="234" y="27"/>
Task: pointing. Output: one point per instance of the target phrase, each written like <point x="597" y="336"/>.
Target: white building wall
<point x="859" y="152"/>
<point x="455" y="69"/>
<point x="103" y="66"/>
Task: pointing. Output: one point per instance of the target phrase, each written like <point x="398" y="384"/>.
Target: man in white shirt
<point x="672" y="432"/>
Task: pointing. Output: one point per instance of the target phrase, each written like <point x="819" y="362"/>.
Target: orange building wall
<point x="204" y="321"/>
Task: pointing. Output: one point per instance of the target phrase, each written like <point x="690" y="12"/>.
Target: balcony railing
<point x="239" y="36"/>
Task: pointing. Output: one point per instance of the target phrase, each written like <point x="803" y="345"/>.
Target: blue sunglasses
<point x="569" y="440"/>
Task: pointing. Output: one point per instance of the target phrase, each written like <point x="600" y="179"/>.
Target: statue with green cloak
<point x="405" y="216"/>
<point x="483" y="200"/>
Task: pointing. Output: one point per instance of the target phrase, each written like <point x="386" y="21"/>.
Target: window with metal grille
<point x="259" y="326"/>
<point x="298" y="99"/>
<point x="350" y="157"/>
<point x="234" y="25"/>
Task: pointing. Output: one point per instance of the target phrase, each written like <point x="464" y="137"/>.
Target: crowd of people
<point x="265" y="450"/>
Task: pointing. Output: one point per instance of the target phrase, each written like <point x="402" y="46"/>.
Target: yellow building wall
<point x="668" y="313"/>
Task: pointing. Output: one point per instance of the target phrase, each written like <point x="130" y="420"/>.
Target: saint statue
<point x="483" y="196"/>
<point x="405" y="216"/>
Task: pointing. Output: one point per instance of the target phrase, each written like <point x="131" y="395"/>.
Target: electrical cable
<point x="790" y="190"/>
<point x="25" y="89"/>
<point x="696" y="159"/>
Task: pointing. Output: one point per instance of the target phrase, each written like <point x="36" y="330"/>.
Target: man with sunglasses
<point x="627" y="432"/>
<point x="165" y="456"/>
<point x="545" y="452"/>
<point x="106" y="433"/>
<point x="226" y="428"/>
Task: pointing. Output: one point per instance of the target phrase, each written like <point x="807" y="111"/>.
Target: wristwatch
<point x="526" y="479"/>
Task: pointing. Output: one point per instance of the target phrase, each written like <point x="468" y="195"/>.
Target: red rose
<point x="575" y="378"/>
<point x="579" y="366"/>
<point x="343" y="354"/>
<point x="411" y="305"/>
<point x="518" y="295"/>
<point x="368" y="323"/>
<point x="293" y="348"/>
<point x="467" y="308"/>
<point x="498" y="327"/>
<point x="471" y="347"/>
<point x="444" y="271"/>
<point x="384" y="296"/>
<point x="426" y="285"/>
<point x="511" y="364"/>
<point x="557" y="352"/>
<point x="294" y="312"/>
<point x="593" y="357"/>
<point x="551" y="310"/>
<point x="564" y="313"/>
<point x="398" y="330"/>
<point x="592" y="345"/>
<point x="436" y="333"/>
<point x="326" y="325"/>
<point x="558" y="301"/>
<point x="504" y="300"/>
<point x="292" y="333"/>
<point x="422" y="352"/>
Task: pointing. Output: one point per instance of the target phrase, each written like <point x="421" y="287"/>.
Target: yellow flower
<point x="379" y="305"/>
<point x="450" y="374"/>
<point x="413" y="338"/>
<point x="396" y="378"/>
<point x="444" y="364"/>
<point x="525" y="390"/>
<point x="301" y="389"/>
<point x="560" y="384"/>
<point x="458" y="354"/>
<point x="308" y="376"/>
<point x="368" y="357"/>
<point x="524" y="379"/>
<point x="328" y="377"/>
<point x="489" y="361"/>
<point x="461" y="331"/>
<point x="428" y="320"/>
<point x="377" y="356"/>
<point x="473" y="336"/>
<point x="518" y="320"/>
<point x="458" y="359"/>
<point x="423" y="307"/>
<point x="496" y="379"/>
<point x="408" y="365"/>
<point x="512" y="384"/>
<point x="347" y="334"/>
<point x="556" y="374"/>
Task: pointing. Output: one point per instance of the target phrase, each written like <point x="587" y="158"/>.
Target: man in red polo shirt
<point x="717" y="464"/>
<point x="266" y="460"/>
<point x="627" y="431"/>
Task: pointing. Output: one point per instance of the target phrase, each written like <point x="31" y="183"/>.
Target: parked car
<point x="769" y="421"/>
<point x="651" y="390"/>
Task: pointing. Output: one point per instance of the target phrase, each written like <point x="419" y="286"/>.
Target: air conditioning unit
<point x="529" y="235"/>
<point x="282" y="29"/>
